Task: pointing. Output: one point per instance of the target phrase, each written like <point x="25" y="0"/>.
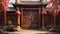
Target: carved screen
<point x="30" y="19"/>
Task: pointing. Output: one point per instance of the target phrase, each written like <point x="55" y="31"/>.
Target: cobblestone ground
<point x="30" y="32"/>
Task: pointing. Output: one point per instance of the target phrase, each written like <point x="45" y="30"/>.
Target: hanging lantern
<point x="44" y="13"/>
<point x="18" y="13"/>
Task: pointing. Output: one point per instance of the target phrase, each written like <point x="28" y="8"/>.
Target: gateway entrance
<point x="30" y="18"/>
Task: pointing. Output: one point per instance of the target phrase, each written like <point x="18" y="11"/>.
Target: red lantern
<point x="44" y="13"/>
<point x="18" y="13"/>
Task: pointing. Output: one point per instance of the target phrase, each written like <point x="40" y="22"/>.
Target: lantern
<point x="18" y="13"/>
<point x="44" y="13"/>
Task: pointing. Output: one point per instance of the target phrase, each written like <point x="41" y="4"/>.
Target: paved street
<point x="30" y="32"/>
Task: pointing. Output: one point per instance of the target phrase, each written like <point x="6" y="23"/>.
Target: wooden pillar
<point x="18" y="20"/>
<point x="43" y="18"/>
<point x="43" y="21"/>
<point x="18" y="16"/>
<point x="39" y="17"/>
<point x="21" y="17"/>
<point x="55" y="4"/>
<point x="5" y="17"/>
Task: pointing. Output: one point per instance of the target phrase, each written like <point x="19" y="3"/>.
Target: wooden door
<point x="30" y="19"/>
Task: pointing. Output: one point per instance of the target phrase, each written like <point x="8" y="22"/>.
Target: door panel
<point x="30" y="19"/>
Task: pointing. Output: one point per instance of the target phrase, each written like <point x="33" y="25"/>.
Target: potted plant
<point x="10" y="27"/>
<point x="9" y="22"/>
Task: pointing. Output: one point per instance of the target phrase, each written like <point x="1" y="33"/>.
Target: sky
<point x="12" y="1"/>
<point x="10" y="5"/>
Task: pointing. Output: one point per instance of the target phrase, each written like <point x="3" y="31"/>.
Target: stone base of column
<point x="19" y="28"/>
<point x="53" y="29"/>
<point x="43" y="28"/>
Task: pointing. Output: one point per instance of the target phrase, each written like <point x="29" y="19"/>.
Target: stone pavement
<point x="30" y="32"/>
